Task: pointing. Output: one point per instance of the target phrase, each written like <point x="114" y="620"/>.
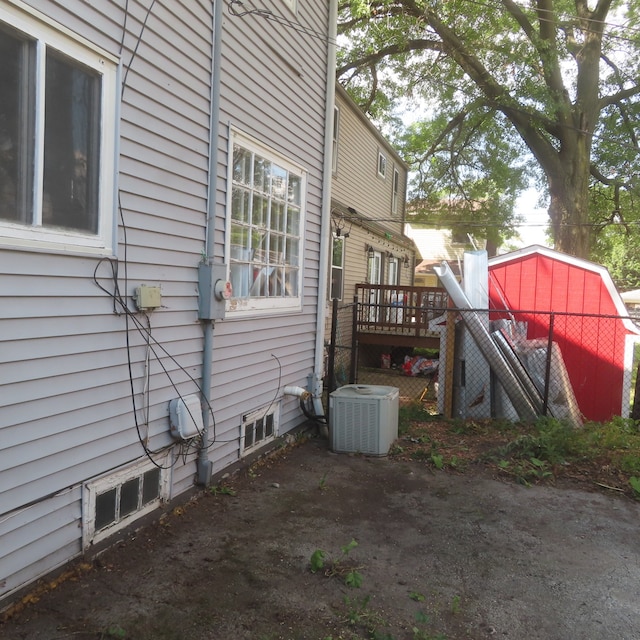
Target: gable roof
<point x="572" y="262"/>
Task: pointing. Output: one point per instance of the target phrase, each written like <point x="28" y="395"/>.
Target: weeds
<point x="321" y="560"/>
<point x="605" y="453"/>
<point x="413" y="412"/>
<point x="424" y="634"/>
<point x="222" y="490"/>
<point x="359" y="614"/>
<point x="114" y="631"/>
<point x="527" y="471"/>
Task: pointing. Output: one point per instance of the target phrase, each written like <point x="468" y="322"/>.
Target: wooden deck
<point x="397" y="315"/>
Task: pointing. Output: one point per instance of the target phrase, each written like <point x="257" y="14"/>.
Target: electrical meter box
<point x="185" y="417"/>
<point x="363" y="419"/>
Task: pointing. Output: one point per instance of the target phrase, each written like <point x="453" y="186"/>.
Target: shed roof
<point x="572" y="262"/>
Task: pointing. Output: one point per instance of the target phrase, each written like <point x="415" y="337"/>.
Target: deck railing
<point x="398" y="310"/>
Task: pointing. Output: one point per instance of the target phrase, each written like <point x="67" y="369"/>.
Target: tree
<point x="555" y="77"/>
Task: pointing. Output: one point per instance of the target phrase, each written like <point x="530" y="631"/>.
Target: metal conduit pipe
<point x="204" y="465"/>
<point x="315" y="383"/>
<point x="512" y="386"/>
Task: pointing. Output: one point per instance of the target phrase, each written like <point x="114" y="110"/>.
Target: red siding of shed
<point x="592" y="347"/>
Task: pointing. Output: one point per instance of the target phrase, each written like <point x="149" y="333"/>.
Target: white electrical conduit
<point x="325" y="226"/>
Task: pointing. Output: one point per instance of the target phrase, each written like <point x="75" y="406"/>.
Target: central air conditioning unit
<point x="363" y="419"/>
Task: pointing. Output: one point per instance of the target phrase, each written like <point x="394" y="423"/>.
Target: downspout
<point x="325" y="224"/>
<point x="204" y="465"/>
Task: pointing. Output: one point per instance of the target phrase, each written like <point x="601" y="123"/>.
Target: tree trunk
<point x="569" y="197"/>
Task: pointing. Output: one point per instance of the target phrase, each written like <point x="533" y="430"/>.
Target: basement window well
<point x="112" y="502"/>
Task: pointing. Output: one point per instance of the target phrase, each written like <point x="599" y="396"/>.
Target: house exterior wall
<point x="363" y="204"/>
<point x="71" y="369"/>
<point x="356" y="185"/>
<point x="356" y="182"/>
<point x="596" y="350"/>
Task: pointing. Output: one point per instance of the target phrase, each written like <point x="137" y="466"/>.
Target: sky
<point x="536" y="219"/>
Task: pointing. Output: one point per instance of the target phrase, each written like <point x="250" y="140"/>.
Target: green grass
<point x="412" y="412"/>
<point x="542" y="451"/>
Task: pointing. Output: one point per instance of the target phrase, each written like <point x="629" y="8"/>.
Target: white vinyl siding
<point x="65" y="395"/>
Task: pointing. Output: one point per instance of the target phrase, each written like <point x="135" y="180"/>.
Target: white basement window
<point x="112" y="502"/>
<point x="258" y="428"/>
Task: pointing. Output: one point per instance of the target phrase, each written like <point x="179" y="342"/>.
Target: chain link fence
<point x="481" y="364"/>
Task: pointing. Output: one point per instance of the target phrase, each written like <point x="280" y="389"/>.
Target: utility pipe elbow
<point x="298" y="392"/>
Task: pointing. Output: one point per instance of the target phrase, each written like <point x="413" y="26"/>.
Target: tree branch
<point x="619" y="96"/>
<point x="393" y="49"/>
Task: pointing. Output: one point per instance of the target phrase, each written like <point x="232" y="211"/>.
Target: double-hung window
<point x="336" y="134"/>
<point x="396" y="191"/>
<point x="265" y="228"/>
<point x="57" y="136"/>
<point x="337" y="268"/>
<point x="382" y="164"/>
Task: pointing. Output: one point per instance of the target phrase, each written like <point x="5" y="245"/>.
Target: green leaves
<point x="503" y="95"/>
<point x="349" y="547"/>
<point x="320" y="560"/>
<point x="317" y="560"/>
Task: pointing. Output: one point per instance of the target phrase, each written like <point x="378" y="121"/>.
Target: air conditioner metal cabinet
<point x="363" y="419"/>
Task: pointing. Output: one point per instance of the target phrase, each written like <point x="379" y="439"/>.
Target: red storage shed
<point x="590" y="322"/>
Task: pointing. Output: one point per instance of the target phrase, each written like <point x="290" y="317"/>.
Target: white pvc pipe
<point x="298" y="392"/>
<point x="325" y="226"/>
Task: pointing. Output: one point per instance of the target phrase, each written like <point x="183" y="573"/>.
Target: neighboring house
<point x="631" y="300"/>
<point x="436" y="245"/>
<point x="367" y="206"/>
<point x="591" y="324"/>
<point x="149" y="153"/>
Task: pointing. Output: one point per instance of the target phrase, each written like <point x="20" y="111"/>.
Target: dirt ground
<point x="440" y="555"/>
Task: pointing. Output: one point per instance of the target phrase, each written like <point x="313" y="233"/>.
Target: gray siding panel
<point x="38" y="539"/>
<point x="64" y="382"/>
<point x="66" y="408"/>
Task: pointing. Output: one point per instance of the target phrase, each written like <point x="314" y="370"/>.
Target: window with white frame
<point x="113" y="501"/>
<point x="336" y="133"/>
<point x="337" y="268"/>
<point x="57" y="135"/>
<point x="266" y="218"/>
<point x="382" y="164"/>
<point x="396" y="191"/>
<point x="258" y="427"/>
<point x="393" y="270"/>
